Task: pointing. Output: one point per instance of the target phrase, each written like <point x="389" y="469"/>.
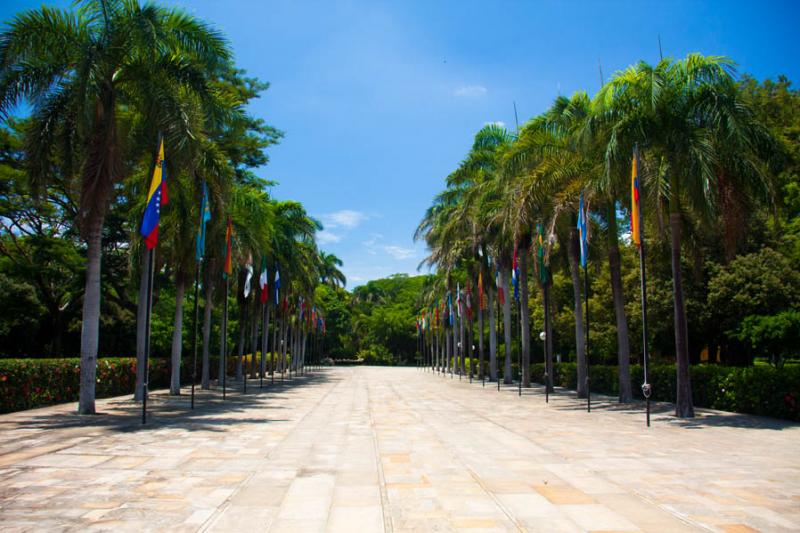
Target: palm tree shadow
<point x="663" y="413"/>
<point x="210" y="413"/>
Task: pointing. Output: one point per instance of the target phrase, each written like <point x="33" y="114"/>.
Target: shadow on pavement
<point x="209" y="414"/>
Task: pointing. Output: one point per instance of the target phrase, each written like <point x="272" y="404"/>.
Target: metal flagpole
<point x="146" y="378"/>
<point x="647" y="388"/>
<point x="196" y="320"/>
<point x="225" y="338"/>
<point x="519" y="354"/>
<point x="586" y="298"/>
<point x="497" y="333"/>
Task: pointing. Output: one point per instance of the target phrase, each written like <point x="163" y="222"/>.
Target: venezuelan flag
<point x="636" y="236"/>
<point x="156" y="197"/>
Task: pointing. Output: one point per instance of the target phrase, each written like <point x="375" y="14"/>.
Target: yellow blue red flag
<point x="156" y="197"/>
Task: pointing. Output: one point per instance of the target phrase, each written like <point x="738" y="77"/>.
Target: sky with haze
<point x="379" y="101"/>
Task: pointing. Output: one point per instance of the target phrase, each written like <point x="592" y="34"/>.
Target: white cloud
<point x="470" y="91"/>
<point x="498" y="123"/>
<point x="398" y="252"/>
<point x="346" y="218"/>
<point x="325" y="237"/>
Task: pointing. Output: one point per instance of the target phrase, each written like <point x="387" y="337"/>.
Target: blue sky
<point x="379" y="100"/>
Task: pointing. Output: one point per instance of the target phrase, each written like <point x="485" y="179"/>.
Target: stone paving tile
<point x="379" y="449"/>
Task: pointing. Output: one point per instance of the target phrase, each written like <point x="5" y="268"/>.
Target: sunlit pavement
<point x="371" y="449"/>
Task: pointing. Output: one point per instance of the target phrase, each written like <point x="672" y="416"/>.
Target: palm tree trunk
<point x="205" y="381"/>
<point x="492" y="335"/>
<point x="580" y="341"/>
<point x="177" y="336"/>
<point x="141" y="327"/>
<point x="525" y="318"/>
<point x="684" y="407"/>
<point x="90" y="327"/>
<point x="504" y="275"/>
<point x="623" y="347"/>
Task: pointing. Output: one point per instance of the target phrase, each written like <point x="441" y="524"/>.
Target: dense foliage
<point x="103" y="82"/>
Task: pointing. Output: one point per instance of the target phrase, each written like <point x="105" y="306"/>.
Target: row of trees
<point x="103" y="82"/>
<point x="718" y="157"/>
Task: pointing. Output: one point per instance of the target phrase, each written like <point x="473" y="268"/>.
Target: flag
<point x="458" y="299"/>
<point x="501" y="295"/>
<point x="450" y="309"/>
<point x="262" y="281"/>
<point x="277" y="285"/>
<point x="582" y="223"/>
<point x="481" y="300"/>
<point x="156" y="197"/>
<point x="227" y="267"/>
<point x="636" y="235"/>
<point x="540" y="253"/>
<point x="469" y="301"/>
<point x="249" y="268"/>
<point x="436" y="315"/>
<point x="515" y="275"/>
<point x="205" y="216"/>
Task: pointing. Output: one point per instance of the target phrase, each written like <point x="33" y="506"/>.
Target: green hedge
<point x="759" y="390"/>
<point x="30" y="383"/>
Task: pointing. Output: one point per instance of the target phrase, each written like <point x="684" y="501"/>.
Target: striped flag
<point x="582" y="231"/>
<point x="481" y="300"/>
<point x="450" y="308"/>
<point x="469" y="301"/>
<point x="501" y="295"/>
<point x="540" y="254"/>
<point x="156" y="197"/>
<point x="277" y="285"/>
<point x="249" y="268"/>
<point x="205" y="216"/>
<point x="636" y="235"/>
<point x="262" y="281"/>
<point x="515" y="275"/>
<point x="458" y="299"/>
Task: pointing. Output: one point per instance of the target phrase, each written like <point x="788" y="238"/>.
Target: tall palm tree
<point x="329" y="272"/>
<point x="84" y="71"/>
<point x="689" y="114"/>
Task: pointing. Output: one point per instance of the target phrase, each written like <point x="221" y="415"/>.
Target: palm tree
<point x="84" y="71"/>
<point x="329" y="272"/>
<point x="689" y="114"/>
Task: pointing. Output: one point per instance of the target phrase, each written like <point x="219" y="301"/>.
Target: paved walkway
<point x="384" y="449"/>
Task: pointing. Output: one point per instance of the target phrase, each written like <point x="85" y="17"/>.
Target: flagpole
<point x="264" y="335"/>
<point x="196" y="320"/>
<point x="586" y="299"/>
<point x="146" y="378"/>
<point x="647" y="388"/>
<point x="519" y="353"/>
<point x="225" y="338"/>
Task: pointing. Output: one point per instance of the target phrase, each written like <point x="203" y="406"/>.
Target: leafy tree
<point x="85" y="71"/>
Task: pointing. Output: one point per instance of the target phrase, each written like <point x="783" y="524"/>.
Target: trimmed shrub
<point x="759" y="390"/>
<point x="29" y="383"/>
